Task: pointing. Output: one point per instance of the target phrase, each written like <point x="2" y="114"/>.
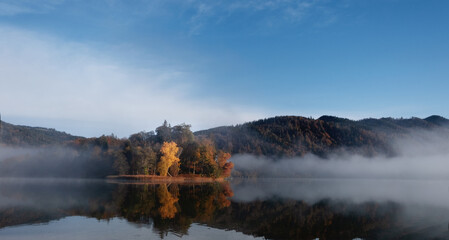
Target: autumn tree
<point x="173" y="170"/>
<point x="223" y="163"/>
<point x="120" y="164"/>
<point x="222" y="158"/>
<point x="207" y="163"/>
<point x="169" y="152"/>
<point x="227" y="168"/>
<point x="143" y="160"/>
<point x="151" y="161"/>
<point x="190" y="158"/>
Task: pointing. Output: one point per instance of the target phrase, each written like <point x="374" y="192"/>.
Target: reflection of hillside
<point x="173" y="208"/>
<point x="38" y="201"/>
<point x="291" y="219"/>
<point x="17" y="216"/>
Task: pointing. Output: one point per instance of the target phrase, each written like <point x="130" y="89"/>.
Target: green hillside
<point x="296" y="136"/>
<point x="32" y="136"/>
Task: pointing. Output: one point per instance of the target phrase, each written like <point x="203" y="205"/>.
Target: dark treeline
<point x="166" y="151"/>
<point x="288" y="136"/>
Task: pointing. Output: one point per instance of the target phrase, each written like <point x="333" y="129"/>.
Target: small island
<point x="175" y="155"/>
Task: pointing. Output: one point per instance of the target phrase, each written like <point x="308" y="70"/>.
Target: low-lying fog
<point x="431" y="192"/>
<point x="422" y="155"/>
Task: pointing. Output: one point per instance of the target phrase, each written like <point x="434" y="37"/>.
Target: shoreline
<point x="166" y="179"/>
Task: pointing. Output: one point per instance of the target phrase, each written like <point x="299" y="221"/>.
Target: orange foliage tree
<point x="169" y="151"/>
<point x="225" y="166"/>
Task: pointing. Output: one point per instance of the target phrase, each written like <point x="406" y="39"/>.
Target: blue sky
<point x="94" y="67"/>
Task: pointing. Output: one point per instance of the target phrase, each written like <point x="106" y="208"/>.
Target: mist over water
<point x="48" y="161"/>
<point x="12" y="152"/>
<point x="419" y="155"/>
<point x="425" y="192"/>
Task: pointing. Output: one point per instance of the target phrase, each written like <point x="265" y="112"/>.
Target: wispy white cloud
<point x="196" y="15"/>
<point x="8" y="9"/>
<point x="43" y="77"/>
<point x="15" y="7"/>
<point x="279" y="11"/>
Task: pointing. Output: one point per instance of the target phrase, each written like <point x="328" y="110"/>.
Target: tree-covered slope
<point x="32" y="136"/>
<point x="296" y="136"/>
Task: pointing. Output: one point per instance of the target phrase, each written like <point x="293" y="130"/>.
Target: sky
<point x="116" y="66"/>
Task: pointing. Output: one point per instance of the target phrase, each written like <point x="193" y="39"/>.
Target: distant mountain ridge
<point x="297" y="136"/>
<point x="11" y="134"/>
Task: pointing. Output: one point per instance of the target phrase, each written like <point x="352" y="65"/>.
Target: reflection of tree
<point x="223" y="197"/>
<point x="167" y="201"/>
<point x="175" y="207"/>
<point x="136" y="203"/>
<point x="208" y="205"/>
<point x="193" y="200"/>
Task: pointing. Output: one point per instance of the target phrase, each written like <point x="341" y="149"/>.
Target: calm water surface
<point x="239" y="209"/>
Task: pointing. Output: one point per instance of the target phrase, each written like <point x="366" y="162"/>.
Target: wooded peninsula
<point x="169" y="152"/>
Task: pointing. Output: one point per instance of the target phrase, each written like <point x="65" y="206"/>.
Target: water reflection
<point x="269" y="208"/>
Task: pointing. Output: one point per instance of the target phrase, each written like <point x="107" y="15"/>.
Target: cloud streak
<point x="11" y="8"/>
<point x="264" y="13"/>
<point x="50" y="80"/>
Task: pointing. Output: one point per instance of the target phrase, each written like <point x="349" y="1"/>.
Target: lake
<point x="238" y="209"/>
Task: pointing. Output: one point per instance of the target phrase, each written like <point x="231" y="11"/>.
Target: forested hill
<point x="296" y="136"/>
<point x="277" y="136"/>
<point x="32" y="136"/>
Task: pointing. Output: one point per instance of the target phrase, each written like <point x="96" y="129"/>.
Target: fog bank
<point x="421" y="155"/>
<point x="51" y="161"/>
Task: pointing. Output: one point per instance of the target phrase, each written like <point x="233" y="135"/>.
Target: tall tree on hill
<point x="163" y="132"/>
<point x="142" y="139"/>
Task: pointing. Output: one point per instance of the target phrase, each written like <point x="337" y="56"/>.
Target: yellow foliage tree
<point x="169" y="151"/>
